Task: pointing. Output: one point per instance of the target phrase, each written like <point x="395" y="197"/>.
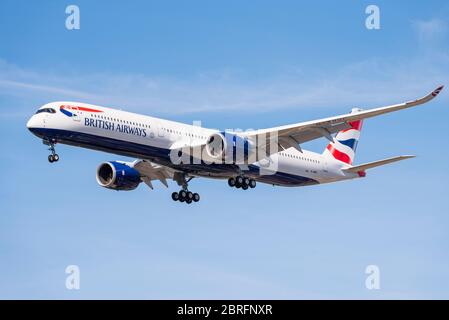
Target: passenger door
<point x="76" y="114"/>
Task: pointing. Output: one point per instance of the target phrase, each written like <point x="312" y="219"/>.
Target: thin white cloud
<point x="366" y="83"/>
<point x="431" y="30"/>
<point x="17" y="85"/>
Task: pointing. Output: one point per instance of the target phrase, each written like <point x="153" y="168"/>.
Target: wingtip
<point x="437" y="91"/>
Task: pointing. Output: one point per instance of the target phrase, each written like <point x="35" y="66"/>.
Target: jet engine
<point x="118" y="176"/>
<point x="228" y="147"/>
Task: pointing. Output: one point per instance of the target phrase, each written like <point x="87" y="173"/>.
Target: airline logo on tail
<point x="345" y="143"/>
<point x="437" y="91"/>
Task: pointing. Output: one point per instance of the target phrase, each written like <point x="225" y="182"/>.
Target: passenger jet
<point x="168" y="150"/>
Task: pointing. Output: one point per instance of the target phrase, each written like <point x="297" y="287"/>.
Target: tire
<point x="189" y="201"/>
<point x="189" y="195"/>
<point x="175" y="196"/>
<point x="182" y="194"/>
<point x="196" y="197"/>
<point x="239" y="180"/>
<point x="252" y="183"/>
<point x="238" y="185"/>
<point x="245" y="187"/>
<point x="50" y="159"/>
<point x="55" y="157"/>
<point x="231" y="182"/>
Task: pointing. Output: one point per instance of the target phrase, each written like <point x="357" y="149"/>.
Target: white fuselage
<point x="134" y="135"/>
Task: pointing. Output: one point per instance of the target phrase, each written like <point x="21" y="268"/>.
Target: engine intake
<point x="216" y="146"/>
<point x="228" y="147"/>
<point x="117" y="176"/>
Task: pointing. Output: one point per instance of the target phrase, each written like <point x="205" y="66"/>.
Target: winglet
<point x="427" y="98"/>
<point x="437" y="91"/>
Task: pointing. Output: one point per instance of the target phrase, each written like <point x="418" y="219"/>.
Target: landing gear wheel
<point x="252" y="183"/>
<point x="55" y="157"/>
<point x="239" y="180"/>
<point x="246" y="181"/>
<point x="238" y="185"/>
<point x="245" y="187"/>
<point x="50" y="158"/>
<point x="196" y="197"/>
<point x="231" y="182"/>
<point x="183" y="194"/>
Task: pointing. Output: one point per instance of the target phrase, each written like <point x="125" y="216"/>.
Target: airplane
<point x="168" y="150"/>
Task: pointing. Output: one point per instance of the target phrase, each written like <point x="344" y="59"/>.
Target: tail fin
<point x="345" y="142"/>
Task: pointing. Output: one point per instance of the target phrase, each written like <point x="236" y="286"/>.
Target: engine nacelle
<point x="118" y="176"/>
<point x="229" y="147"/>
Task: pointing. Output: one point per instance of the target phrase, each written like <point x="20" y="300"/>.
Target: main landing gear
<point x="242" y="182"/>
<point x="53" y="157"/>
<point x="184" y="195"/>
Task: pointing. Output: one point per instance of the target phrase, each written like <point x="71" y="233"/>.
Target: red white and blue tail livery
<point x="344" y="146"/>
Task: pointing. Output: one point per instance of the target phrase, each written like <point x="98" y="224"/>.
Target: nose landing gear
<point x="53" y="157"/>
<point x="242" y="182"/>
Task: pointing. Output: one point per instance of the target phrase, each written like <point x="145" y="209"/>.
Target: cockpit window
<point x="48" y="110"/>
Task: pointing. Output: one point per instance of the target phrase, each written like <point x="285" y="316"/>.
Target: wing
<point x="296" y="134"/>
<point x="150" y="171"/>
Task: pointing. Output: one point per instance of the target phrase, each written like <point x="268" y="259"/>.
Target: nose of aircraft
<point x="32" y="123"/>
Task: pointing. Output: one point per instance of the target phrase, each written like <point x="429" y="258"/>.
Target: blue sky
<point x="231" y="65"/>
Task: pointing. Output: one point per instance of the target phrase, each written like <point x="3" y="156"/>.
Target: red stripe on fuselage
<point x="338" y="154"/>
<point x="88" y="109"/>
<point x="80" y="108"/>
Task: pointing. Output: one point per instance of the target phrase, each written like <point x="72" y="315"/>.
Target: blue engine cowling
<point x="229" y="147"/>
<point x="117" y="176"/>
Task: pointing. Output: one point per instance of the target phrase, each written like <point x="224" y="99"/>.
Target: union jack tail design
<point x="345" y="142"/>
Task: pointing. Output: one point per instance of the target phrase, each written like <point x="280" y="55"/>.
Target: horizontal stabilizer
<point x="374" y="164"/>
